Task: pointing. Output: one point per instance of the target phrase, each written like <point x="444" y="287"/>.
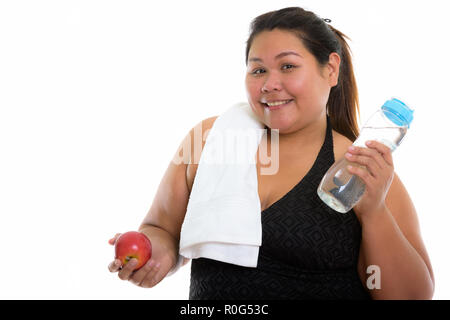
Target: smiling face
<point x="286" y="87"/>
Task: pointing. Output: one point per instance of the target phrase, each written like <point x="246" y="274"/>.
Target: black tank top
<point x="308" y="250"/>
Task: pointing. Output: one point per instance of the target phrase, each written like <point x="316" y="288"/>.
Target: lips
<point x="276" y="104"/>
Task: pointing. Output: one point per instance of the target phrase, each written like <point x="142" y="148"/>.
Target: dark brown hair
<point x="321" y="39"/>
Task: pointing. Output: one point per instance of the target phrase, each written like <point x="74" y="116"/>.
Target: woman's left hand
<point x="377" y="175"/>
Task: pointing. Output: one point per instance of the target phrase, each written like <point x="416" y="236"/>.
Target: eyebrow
<point x="278" y="56"/>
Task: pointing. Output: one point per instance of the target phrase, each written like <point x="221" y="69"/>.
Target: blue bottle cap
<point x="398" y="112"/>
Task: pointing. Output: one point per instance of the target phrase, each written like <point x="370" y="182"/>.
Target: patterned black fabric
<point x="308" y="251"/>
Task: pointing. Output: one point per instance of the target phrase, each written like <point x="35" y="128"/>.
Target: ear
<point x="334" y="62"/>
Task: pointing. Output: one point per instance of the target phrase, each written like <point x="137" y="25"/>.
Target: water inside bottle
<point x="343" y="191"/>
<point x="389" y="136"/>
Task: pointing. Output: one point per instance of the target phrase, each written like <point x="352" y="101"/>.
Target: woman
<point x="300" y="81"/>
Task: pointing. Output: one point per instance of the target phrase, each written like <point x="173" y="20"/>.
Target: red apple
<point x="133" y="244"/>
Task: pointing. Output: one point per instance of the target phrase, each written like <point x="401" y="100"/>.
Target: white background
<point x="95" y="97"/>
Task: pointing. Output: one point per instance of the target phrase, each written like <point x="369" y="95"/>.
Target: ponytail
<point x="343" y="102"/>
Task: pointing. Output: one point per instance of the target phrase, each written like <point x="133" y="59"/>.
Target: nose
<point x="272" y="83"/>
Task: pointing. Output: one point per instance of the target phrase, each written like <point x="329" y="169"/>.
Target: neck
<point x="299" y="140"/>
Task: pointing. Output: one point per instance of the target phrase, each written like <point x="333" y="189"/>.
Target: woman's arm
<point x="163" y="222"/>
<point x="391" y="239"/>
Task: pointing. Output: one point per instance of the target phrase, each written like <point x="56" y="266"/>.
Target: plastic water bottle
<point x="341" y="190"/>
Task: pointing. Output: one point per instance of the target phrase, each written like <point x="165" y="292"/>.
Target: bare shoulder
<point x="198" y="136"/>
<point x="200" y="131"/>
<point x="204" y="126"/>
<point x="208" y="122"/>
<point x="340" y="145"/>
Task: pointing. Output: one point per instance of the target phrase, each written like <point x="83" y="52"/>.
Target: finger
<point x="362" y="173"/>
<point x="113" y="240"/>
<point x="381" y="163"/>
<point x="383" y="149"/>
<point x="127" y="270"/>
<point x="152" y="278"/>
<point x="368" y="162"/>
<point x="140" y="274"/>
<point x="115" y="266"/>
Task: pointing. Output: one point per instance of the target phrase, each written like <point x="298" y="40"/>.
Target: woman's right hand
<point x="149" y="274"/>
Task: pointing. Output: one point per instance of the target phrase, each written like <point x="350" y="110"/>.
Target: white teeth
<point x="277" y="103"/>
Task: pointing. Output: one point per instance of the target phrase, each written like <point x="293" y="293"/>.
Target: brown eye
<point x="258" y="71"/>
<point x="287" y="66"/>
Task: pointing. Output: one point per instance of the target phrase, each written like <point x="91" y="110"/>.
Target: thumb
<point x="113" y="240"/>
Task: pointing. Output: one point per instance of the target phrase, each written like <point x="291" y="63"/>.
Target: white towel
<point x="223" y="217"/>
